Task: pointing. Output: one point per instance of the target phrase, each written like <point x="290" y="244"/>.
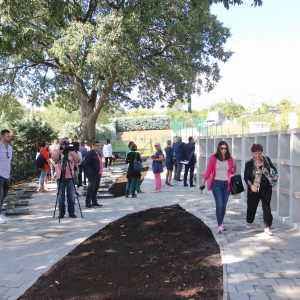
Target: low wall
<point x="283" y="147"/>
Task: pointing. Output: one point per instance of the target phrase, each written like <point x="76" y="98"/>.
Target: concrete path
<point x="256" y="266"/>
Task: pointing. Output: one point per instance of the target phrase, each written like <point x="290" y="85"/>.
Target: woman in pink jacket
<point x="220" y="168"/>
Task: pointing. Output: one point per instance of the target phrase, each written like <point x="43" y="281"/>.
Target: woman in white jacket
<point x="107" y="153"/>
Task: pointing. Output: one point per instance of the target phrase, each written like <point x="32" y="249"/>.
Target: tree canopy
<point x="230" y="109"/>
<point x="87" y="52"/>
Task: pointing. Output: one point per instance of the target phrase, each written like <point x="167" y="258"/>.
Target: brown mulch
<point x="118" y="187"/>
<point x="157" y="254"/>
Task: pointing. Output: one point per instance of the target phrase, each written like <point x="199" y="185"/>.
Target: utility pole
<point x="252" y="104"/>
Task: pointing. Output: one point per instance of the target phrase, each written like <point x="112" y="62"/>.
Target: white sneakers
<point x="248" y="225"/>
<point x="3" y="219"/>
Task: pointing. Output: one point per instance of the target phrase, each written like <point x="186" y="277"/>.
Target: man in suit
<point x="190" y="158"/>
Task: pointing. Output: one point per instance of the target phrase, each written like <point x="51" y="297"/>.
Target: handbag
<point x="236" y="185"/>
<point x="137" y="165"/>
<point x="40" y="161"/>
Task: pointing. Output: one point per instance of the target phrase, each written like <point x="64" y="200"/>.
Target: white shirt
<point x="5" y="160"/>
<point x="107" y="150"/>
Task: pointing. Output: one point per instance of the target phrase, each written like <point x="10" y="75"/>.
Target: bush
<point x="142" y="123"/>
<point x="107" y="131"/>
<point x="27" y="136"/>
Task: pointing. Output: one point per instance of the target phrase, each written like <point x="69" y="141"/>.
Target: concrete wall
<point x="283" y="147"/>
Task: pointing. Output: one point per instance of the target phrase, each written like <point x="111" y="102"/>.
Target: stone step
<point x="105" y="196"/>
<point x="17" y="211"/>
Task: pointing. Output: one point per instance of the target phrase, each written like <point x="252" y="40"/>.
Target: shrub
<point x="27" y="136"/>
<point x="142" y="123"/>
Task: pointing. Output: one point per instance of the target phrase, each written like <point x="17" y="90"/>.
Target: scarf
<point x="262" y="170"/>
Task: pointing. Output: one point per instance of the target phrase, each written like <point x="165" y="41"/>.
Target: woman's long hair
<point x="218" y="153"/>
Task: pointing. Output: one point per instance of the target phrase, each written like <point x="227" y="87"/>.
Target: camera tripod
<point x="64" y="164"/>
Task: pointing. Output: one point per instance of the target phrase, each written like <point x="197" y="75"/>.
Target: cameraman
<point x="65" y="157"/>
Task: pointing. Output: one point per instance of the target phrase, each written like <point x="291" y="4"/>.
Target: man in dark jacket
<point x="93" y="168"/>
<point x="178" y="148"/>
<point x="190" y="158"/>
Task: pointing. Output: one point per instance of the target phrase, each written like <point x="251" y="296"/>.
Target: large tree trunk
<point x="87" y="128"/>
<point x="90" y="107"/>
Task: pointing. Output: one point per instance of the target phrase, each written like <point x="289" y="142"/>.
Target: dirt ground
<point x="157" y="254"/>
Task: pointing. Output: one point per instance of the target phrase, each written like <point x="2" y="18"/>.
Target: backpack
<point x="137" y="165"/>
<point x="40" y="161"/>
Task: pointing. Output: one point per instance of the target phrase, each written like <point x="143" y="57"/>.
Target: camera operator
<point x="93" y="167"/>
<point x="65" y="158"/>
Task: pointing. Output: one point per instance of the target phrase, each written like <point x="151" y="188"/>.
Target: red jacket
<point x="211" y="171"/>
<point x="44" y="152"/>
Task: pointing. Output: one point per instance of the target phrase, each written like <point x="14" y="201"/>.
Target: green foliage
<point x="229" y="109"/>
<point x="10" y="109"/>
<point x="89" y="52"/>
<point x="57" y="117"/>
<point x="27" y="136"/>
<point x="285" y="105"/>
<point x="107" y="131"/>
<point x="140" y="123"/>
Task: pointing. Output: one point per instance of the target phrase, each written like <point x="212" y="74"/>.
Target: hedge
<point x="142" y="123"/>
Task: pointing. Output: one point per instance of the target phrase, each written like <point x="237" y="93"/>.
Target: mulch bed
<point x="118" y="187"/>
<point x="157" y="254"/>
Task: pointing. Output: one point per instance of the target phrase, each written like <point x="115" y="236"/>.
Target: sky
<point x="265" y="65"/>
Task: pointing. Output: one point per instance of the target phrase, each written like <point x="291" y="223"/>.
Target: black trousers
<point x="93" y="187"/>
<point x="191" y="168"/>
<point x="4" y="185"/>
<point x="81" y="171"/>
<point x="106" y="161"/>
<point x="265" y="195"/>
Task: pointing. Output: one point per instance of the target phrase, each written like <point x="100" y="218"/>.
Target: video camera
<point x="66" y="147"/>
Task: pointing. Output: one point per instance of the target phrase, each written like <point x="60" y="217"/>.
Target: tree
<point x="88" y="52"/>
<point x="284" y="106"/>
<point x="230" y="109"/>
<point x="10" y="109"/>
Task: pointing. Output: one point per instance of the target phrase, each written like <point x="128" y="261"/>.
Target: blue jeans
<point x="42" y="179"/>
<point x="221" y="195"/>
<point x="131" y="185"/>
<point x="66" y="184"/>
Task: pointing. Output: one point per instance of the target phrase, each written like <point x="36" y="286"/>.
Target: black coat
<point x="91" y="163"/>
<point x="131" y="172"/>
<point x="249" y="173"/>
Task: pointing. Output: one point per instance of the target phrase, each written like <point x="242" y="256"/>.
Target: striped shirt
<point x="5" y="160"/>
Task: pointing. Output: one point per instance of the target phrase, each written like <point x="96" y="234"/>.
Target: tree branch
<point x="106" y="91"/>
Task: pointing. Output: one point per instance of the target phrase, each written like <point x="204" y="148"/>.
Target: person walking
<point x="190" y="157"/>
<point x="132" y="173"/>
<point x="64" y="166"/>
<point x="107" y="153"/>
<point x="5" y="166"/>
<point x="169" y="162"/>
<point x="178" y="148"/>
<point x="93" y="168"/>
<point x="157" y="167"/>
<point x="43" y="161"/>
<point x="260" y="175"/>
<point x="220" y="168"/>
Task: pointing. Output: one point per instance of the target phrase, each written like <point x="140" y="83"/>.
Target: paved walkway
<point x="256" y="266"/>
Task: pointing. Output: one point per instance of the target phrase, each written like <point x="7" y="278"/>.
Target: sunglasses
<point x="223" y="148"/>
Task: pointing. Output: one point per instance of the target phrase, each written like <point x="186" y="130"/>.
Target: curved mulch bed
<point x="161" y="253"/>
